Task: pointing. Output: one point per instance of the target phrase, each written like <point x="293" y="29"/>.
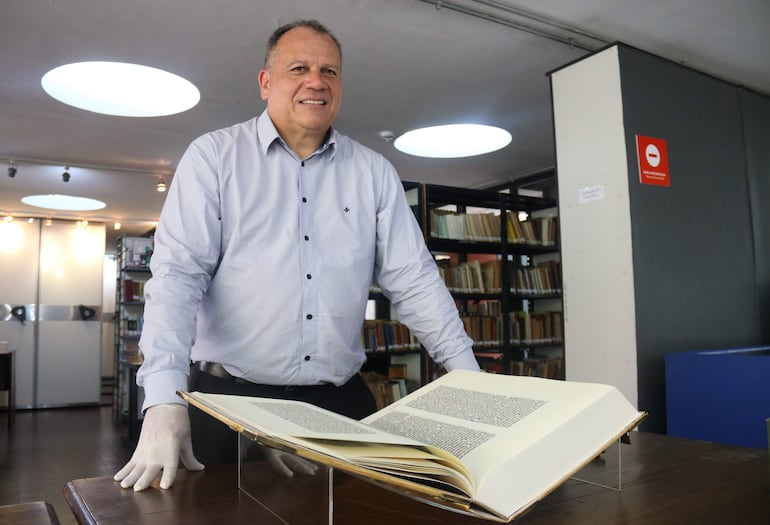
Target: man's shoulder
<point x="230" y="133"/>
<point x="351" y="148"/>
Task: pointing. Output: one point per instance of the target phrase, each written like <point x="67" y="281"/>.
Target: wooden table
<point x="665" y="480"/>
<point x="29" y="513"/>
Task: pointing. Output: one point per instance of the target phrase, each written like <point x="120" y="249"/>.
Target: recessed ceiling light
<point x="453" y="140"/>
<point x="120" y="89"/>
<point x="63" y="202"/>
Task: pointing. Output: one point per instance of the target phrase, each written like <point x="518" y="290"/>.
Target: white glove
<point x="286" y="464"/>
<point x="164" y="439"/>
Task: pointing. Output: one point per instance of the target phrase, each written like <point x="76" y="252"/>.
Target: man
<point x="270" y="237"/>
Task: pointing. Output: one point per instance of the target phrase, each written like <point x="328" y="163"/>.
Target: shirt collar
<point x="267" y="135"/>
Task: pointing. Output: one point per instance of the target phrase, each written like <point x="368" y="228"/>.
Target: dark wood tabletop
<point x="665" y="480"/>
<point x="28" y="513"/>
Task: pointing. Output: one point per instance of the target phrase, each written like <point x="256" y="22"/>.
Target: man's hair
<point x="315" y="25"/>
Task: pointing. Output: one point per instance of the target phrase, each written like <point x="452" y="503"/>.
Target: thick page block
<point x="488" y="445"/>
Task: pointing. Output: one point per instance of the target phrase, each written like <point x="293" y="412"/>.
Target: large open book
<point x="483" y="444"/>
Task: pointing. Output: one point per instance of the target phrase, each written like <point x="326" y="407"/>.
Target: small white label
<point x="591" y="194"/>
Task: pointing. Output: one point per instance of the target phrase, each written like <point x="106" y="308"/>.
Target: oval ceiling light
<point x="120" y="89"/>
<point x="453" y="141"/>
<point x="63" y="202"/>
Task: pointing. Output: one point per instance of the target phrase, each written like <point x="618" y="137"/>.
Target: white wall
<point x="596" y="250"/>
<point x="108" y="316"/>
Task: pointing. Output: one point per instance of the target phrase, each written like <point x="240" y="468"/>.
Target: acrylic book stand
<point x="309" y="499"/>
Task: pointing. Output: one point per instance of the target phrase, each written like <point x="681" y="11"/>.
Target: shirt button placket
<point x="307" y="262"/>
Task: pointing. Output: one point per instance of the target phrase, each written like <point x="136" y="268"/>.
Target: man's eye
<point x="331" y="72"/>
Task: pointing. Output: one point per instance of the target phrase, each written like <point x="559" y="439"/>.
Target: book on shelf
<point x="543" y="327"/>
<point x="450" y="224"/>
<point x="549" y="367"/>
<point x="542" y="278"/>
<point x="385" y="390"/>
<point x="488" y="445"/>
<point x="483" y="329"/>
<point x="384" y="335"/>
<point x="540" y="231"/>
<point x="133" y="291"/>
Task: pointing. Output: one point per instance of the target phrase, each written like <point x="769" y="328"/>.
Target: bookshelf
<point x="507" y="286"/>
<point x="133" y="271"/>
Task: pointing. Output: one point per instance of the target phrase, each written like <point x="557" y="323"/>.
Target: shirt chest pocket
<point x="348" y="236"/>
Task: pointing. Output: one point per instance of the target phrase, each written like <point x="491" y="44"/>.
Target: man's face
<point x="302" y="83"/>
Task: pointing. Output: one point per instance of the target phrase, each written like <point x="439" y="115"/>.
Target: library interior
<point x="607" y="252"/>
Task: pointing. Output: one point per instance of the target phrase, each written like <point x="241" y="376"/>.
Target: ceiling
<point x="407" y="63"/>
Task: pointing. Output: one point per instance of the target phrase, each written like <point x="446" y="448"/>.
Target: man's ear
<point x="264" y="83"/>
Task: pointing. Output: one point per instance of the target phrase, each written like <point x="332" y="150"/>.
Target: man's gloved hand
<point x="164" y="439"/>
<point x="287" y="464"/>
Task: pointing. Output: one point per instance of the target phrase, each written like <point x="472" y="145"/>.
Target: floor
<point x="46" y="448"/>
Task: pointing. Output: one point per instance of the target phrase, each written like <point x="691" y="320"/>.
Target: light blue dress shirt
<point x="263" y="262"/>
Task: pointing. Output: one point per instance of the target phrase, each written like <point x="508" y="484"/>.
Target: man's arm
<point x="407" y="274"/>
<point x="183" y="260"/>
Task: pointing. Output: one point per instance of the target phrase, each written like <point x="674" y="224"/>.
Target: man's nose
<point x="316" y="80"/>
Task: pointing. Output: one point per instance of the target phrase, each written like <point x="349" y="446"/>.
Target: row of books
<point x="534" y="366"/>
<point x="536" y="327"/>
<point x="485" y="227"/>
<point x="538" y="366"/>
<point x="133" y="290"/>
<point x="485" y="330"/>
<point x="486" y="277"/>
<point x="542" y="278"/>
<point x="380" y="335"/>
<point x="524" y="328"/>
<point x="131" y="325"/>
<point x="387" y="389"/>
<point x="536" y="230"/>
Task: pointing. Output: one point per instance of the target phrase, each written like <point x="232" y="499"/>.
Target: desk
<point x="666" y="480"/>
<point x="30" y="513"/>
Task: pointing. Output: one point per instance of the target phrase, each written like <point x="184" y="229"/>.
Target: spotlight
<point x="161" y="186"/>
<point x="66" y="175"/>
<point x="12" y="169"/>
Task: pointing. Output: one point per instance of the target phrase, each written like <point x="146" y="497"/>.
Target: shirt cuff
<point x="464" y="361"/>
<point x="161" y="387"/>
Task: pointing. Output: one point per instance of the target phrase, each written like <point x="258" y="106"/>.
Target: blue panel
<point x="721" y="396"/>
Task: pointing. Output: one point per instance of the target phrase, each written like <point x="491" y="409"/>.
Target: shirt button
<point x="307" y="238"/>
<point x="304" y="199"/>
<point x="309" y="276"/>
<point x="309" y="316"/>
<point x="307" y="358"/>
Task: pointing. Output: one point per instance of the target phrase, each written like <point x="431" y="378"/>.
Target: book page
<point x="284" y="418"/>
<point x="502" y="426"/>
<point x="312" y="428"/>
<point x="449" y="418"/>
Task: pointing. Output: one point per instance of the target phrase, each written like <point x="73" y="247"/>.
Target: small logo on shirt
<point x="346" y="210"/>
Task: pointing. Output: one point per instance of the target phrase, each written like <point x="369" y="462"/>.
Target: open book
<point x="483" y="444"/>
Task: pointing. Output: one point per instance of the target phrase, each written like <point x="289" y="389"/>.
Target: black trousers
<point x="214" y="443"/>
